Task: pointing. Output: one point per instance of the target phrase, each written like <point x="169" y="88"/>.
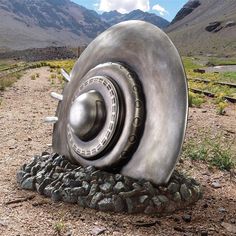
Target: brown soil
<point x="23" y="134"/>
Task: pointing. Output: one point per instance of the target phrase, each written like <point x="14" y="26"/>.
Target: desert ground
<point x="23" y="134"/>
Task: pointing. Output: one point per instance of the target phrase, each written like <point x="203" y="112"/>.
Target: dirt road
<point x="22" y="134"/>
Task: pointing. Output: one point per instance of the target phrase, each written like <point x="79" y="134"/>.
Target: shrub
<point x="221" y="108"/>
<point x="195" y="100"/>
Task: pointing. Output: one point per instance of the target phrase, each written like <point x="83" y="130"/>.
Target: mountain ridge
<point x="37" y="23"/>
<point x="205" y="27"/>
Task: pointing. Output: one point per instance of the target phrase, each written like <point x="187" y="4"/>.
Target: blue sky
<point x="164" y="8"/>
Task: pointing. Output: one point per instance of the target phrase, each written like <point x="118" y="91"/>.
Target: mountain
<point x="205" y="27"/>
<point x="42" y="23"/>
<point x="115" y="17"/>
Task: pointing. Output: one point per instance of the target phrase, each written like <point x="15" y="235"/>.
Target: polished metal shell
<point x="150" y="54"/>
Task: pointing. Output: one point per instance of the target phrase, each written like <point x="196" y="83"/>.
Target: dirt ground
<point x="22" y="134"/>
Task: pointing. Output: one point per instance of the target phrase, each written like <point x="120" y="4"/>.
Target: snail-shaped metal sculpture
<point x="124" y="108"/>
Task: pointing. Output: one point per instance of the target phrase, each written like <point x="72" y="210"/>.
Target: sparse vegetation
<point x="8" y="81"/>
<point x="210" y="150"/>
<point x="59" y="227"/>
<point x="219" y="90"/>
<point x="214" y="61"/>
<point x="221" y="108"/>
<point x="195" y="100"/>
<point x="33" y="77"/>
<point x="229" y="77"/>
<point x="57" y="64"/>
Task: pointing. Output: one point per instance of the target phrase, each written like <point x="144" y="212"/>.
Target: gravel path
<point x="22" y="135"/>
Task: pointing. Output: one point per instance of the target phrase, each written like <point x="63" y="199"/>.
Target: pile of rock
<point x="54" y="176"/>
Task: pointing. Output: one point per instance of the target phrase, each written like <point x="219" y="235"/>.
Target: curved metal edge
<point x="97" y="53"/>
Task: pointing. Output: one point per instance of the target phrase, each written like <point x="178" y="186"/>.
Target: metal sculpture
<point x="124" y="108"/>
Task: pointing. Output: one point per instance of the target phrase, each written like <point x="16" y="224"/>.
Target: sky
<point x="164" y="8"/>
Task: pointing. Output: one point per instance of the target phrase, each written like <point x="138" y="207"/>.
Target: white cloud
<point x="124" y="6"/>
<point x="162" y="11"/>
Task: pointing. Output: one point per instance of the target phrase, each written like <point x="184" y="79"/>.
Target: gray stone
<point x="39" y="178"/>
<point x="130" y="205"/>
<point x="229" y="227"/>
<point x="33" y="162"/>
<point x="80" y="176"/>
<point x="98" y="230"/>
<point x="187" y="218"/>
<point x="106" y="204"/>
<point x="157" y="202"/>
<point x="23" y="167"/>
<point x="129" y="194"/>
<point x="96" y="198"/>
<point x="74" y="183"/>
<point x="48" y="191"/>
<point x="111" y="180"/>
<point x="128" y="181"/>
<point x="118" y="202"/>
<point x="19" y="176"/>
<point x="222" y="210"/>
<point x="63" y="163"/>
<point x="185" y="192"/>
<point x="89" y="169"/>
<point x="50" y="175"/>
<point x="118" y="177"/>
<point x="216" y="184"/>
<point x="43" y="185"/>
<point x="106" y="187"/>
<point x="93" y="189"/>
<point x="55" y="175"/>
<point x="35" y="169"/>
<point x="56" y="195"/>
<point x="173" y="187"/>
<point x="69" y="166"/>
<point x="136" y="186"/>
<point x="57" y="161"/>
<point x="82" y="201"/>
<point x="26" y="176"/>
<point x="48" y="168"/>
<point x="119" y="187"/>
<point x="78" y="169"/>
<point x="86" y="186"/>
<point x="29" y="183"/>
<point x="81" y="191"/>
<point x="163" y="199"/>
<point x="149" y="187"/>
<point x="144" y="199"/>
<point x="150" y="210"/>
<point x="70" y="195"/>
<point x="177" y="197"/>
<point x="196" y="191"/>
<point x="54" y="156"/>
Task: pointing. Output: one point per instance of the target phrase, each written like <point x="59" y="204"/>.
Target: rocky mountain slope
<point x="205" y="27"/>
<point x="41" y="23"/>
<point x="115" y="17"/>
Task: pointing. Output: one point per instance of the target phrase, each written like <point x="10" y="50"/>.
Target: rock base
<point x="54" y="176"/>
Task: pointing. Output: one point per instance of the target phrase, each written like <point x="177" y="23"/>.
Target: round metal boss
<point x="92" y="147"/>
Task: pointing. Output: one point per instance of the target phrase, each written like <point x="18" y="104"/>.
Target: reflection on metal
<point x="57" y="96"/>
<point x="87" y="115"/>
<point x="65" y="75"/>
<point x="125" y="107"/>
<point x="51" y="119"/>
